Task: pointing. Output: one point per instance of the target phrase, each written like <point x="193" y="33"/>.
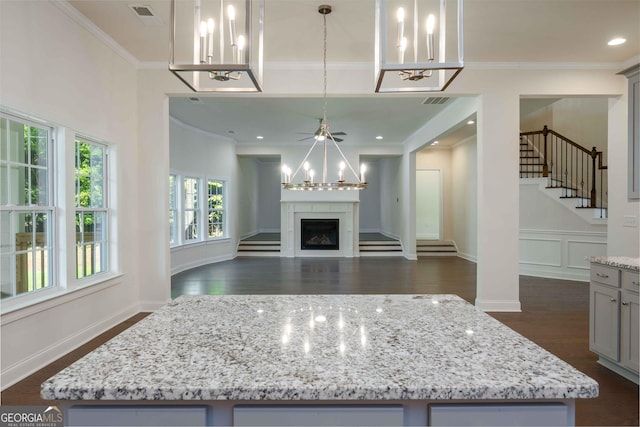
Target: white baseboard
<point x="18" y="371"/>
<point x="201" y="262"/>
<point x="498" y="305"/>
<point x="468" y="257"/>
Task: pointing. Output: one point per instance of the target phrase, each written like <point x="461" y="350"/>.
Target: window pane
<point x="172" y="227"/>
<point x="17" y="188"/>
<point x="97" y="186"/>
<point x="190" y="193"/>
<point x="16" y="142"/>
<point x="191" y="225"/>
<point x="6" y="234"/>
<point x="24" y="272"/>
<point x="39" y="143"/>
<point x="87" y="226"/>
<point x="83" y="195"/>
<point x="4" y="138"/>
<point x="23" y="232"/>
<point x="40" y="277"/>
<point x="99" y="226"/>
<point x="100" y="258"/>
<point x="42" y="230"/>
<point x="79" y="227"/>
<point x="4" y="185"/>
<point x="6" y="276"/>
<point x="39" y="187"/>
<point x="172" y="192"/>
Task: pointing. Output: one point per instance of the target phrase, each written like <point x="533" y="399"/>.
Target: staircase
<point x="425" y="248"/>
<point x="572" y="173"/>
<point x="259" y="246"/>
<point x="377" y="247"/>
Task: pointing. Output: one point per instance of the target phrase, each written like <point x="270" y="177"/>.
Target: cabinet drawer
<point x="631" y="280"/>
<point x="605" y="275"/>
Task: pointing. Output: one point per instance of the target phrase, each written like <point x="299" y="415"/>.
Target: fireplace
<point x="320" y="234"/>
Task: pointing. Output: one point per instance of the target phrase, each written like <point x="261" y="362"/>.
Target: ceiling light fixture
<point x="617" y="41"/>
<point x="323" y="135"/>
<point x="471" y="122"/>
<point x="217" y="47"/>
<point x="259" y="137"/>
<point x="379" y="137"/>
<point x="419" y="63"/>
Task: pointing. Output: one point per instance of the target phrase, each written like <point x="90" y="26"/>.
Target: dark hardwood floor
<point x="554" y="313"/>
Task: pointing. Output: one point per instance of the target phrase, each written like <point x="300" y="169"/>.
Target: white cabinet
<point x="614" y="316"/>
<point x="604" y="320"/>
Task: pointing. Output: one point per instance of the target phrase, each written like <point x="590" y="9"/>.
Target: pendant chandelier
<point x="217" y="45"/>
<point x="412" y="51"/>
<point x="322" y="137"/>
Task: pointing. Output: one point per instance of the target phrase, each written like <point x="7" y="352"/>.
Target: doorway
<point x="428" y="204"/>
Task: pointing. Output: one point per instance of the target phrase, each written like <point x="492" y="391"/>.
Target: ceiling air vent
<point x="145" y="14"/>
<point x="436" y="100"/>
<point x="195" y="100"/>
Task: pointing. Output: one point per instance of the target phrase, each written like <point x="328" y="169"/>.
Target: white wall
<point x="269" y="183"/>
<point x="370" y="203"/>
<point x="582" y="120"/>
<point x="203" y="155"/>
<point x="86" y="87"/>
<point x="621" y="240"/>
<point x="464" y="198"/>
<point x="247" y="215"/>
<point x="440" y="159"/>
<point x="391" y="219"/>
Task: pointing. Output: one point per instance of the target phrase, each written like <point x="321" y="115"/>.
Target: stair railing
<point x="579" y="172"/>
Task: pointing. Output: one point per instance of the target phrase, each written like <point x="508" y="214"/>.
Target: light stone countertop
<point x="617" y="261"/>
<point x="311" y="347"/>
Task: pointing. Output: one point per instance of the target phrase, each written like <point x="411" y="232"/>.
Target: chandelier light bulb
<point x="431" y="23"/>
<point x="312" y="173"/>
<point x="306" y="166"/>
<point x="363" y="169"/>
<point x="210" y="28"/>
<point x="231" y="14"/>
<point x="400" y="16"/>
<point x="203" y="41"/>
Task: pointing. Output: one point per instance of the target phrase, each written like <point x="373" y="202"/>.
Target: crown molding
<point x="85" y="23"/>
<point x="543" y="65"/>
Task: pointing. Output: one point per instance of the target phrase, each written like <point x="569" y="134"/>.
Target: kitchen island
<point x="320" y="360"/>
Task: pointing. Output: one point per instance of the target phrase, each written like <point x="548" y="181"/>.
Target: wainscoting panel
<point x="559" y="254"/>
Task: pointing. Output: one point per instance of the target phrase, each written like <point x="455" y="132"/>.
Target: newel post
<point x="545" y="166"/>
<point x="594" y="154"/>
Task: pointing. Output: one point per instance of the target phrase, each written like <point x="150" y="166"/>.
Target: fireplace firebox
<point x="320" y="234"/>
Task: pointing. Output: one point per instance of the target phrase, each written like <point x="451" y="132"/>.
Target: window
<point x="26" y="207"/>
<point x="173" y="210"/>
<point x="216" y="214"/>
<point x="197" y="209"/>
<point x="91" y="208"/>
<point x="190" y="209"/>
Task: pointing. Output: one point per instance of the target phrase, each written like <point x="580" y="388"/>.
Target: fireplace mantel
<point x="293" y="213"/>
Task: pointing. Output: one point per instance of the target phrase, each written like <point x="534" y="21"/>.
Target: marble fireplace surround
<point x="293" y="212"/>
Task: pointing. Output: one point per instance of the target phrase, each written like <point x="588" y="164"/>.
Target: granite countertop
<point x="617" y="261"/>
<point x="310" y="347"/>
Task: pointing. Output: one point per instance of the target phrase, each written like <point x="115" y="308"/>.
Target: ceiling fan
<point x="323" y="129"/>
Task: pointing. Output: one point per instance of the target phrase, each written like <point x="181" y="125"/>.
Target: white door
<point x="428" y="204"/>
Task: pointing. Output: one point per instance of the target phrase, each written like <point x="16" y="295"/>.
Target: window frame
<point x="223" y="209"/>
<point x="105" y="242"/>
<point x="14" y="210"/>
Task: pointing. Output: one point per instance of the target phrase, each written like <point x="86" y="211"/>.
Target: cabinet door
<point x="630" y="330"/>
<point x="604" y="318"/>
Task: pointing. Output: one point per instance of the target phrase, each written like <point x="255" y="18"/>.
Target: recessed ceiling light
<point x="470" y="122"/>
<point x="379" y="137"/>
<point x="616" y="41"/>
<point x="434" y="142"/>
<point x="259" y="137"/>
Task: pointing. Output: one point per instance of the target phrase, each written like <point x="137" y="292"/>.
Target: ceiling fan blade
<point x="338" y="133"/>
<point x="304" y="139"/>
<point x="338" y="139"/>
